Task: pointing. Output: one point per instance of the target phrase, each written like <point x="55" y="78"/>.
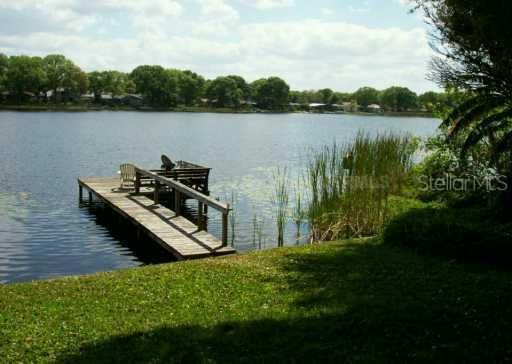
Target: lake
<point x="44" y="232"/>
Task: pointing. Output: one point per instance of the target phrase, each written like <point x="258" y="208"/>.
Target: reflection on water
<point x="43" y="231"/>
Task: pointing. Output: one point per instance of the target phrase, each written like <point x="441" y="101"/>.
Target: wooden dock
<point x="178" y="235"/>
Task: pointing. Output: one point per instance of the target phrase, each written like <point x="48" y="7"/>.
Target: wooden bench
<point x="189" y="174"/>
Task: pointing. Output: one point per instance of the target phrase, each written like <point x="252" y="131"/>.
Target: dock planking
<point x="176" y="234"/>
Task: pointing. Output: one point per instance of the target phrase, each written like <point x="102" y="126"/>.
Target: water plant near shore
<point x="280" y="201"/>
<point x="349" y="185"/>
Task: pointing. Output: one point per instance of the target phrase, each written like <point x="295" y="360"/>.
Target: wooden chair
<point x="127" y="176"/>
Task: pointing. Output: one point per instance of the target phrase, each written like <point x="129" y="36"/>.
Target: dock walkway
<point x="181" y="237"/>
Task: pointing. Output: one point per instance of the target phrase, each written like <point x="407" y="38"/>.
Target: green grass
<point x="355" y="301"/>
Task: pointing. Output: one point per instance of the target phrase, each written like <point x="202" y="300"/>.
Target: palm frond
<point x="486" y="127"/>
<point x="462" y="109"/>
<point x="503" y="146"/>
<point x="473" y="115"/>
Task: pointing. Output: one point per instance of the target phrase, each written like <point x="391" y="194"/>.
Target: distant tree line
<point x="394" y="98"/>
<point x="23" y="77"/>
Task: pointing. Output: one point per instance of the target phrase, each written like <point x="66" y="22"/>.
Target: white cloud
<point x="77" y="15"/>
<point x="216" y="17"/>
<point x="335" y="54"/>
<point x="306" y="53"/>
<point x="327" y="12"/>
<point x="218" y="9"/>
<point x="269" y="4"/>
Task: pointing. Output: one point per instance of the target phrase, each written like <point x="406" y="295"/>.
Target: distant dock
<point x="142" y="207"/>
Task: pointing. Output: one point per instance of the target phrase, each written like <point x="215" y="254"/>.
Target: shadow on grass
<point x="354" y="303"/>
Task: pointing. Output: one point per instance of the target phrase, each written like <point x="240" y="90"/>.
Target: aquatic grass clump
<point x="349" y="185"/>
<point x="280" y="201"/>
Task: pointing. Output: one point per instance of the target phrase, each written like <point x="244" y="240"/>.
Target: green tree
<point x="242" y="85"/>
<point x="429" y="100"/>
<point x="113" y="82"/>
<point x="118" y="83"/>
<point x="191" y="86"/>
<point x="224" y="92"/>
<point x="295" y="96"/>
<point x="97" y="84"/>
<point x="4" y="66"/>
<point x="398" y="99"/>
<point x="366" y="96"/>
<point x="63" y="73"/>
<point x="25" y="74"/>
<point x="158" y="85"/>
<point x="326" y="95"/>
<point x="271" y="93"/>
<point x="472" y="38"/>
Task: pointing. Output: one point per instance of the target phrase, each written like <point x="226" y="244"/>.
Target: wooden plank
<point x="176" y="234"/>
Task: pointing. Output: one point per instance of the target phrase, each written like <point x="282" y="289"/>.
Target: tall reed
<point x="349" y="185"/>
<point x="298" y="212"/>
<point x="280" y="200"/>
<point x="233" y="217"/>
<point x="258" y="234"/>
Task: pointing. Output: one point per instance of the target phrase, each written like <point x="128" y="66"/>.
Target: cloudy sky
<point x="341" y="44"/>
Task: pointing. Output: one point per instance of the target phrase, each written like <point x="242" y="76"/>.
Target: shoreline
<point x="195" y="109"/>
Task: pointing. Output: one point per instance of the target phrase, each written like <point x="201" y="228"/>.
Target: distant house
<point x="295" y="105"/>
<point x="106" y="99"/>
<point x="349" y="106"/>
<point x="62" y="95"/>
<point x="374" y="108"/>
<point x="87" y="97"/>
<point x="248" y="103"/>
<point x="317" y="107"/>
<point x="330" y="108"/>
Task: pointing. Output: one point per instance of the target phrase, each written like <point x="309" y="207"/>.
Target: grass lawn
<point x="353" y="301"/>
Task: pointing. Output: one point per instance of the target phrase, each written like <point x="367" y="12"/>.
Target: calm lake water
<point x="45" y="233"/>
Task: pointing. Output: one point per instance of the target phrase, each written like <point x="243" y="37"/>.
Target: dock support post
<point x="200" y="217"/>
<point x="225" y="229"/>
<point x="90" y="197"/>
<point x="157" y="191"/>
<point x="137" y="183"/>
<point x="177" y="202"/>
<point x="80" y="193"/>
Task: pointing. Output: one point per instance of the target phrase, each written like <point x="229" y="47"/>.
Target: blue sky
<point x="312" y="44"/>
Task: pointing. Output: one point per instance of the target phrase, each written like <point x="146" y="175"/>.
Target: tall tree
<point x="224" y="92"/>
<point x="473" y="41"/>
<point x="191" y="86"/>
<point x="158" y="85"/>
<point x="97" y="84"/>
<point x="25" y="74"/>
<point x="398" y="99"/>
<point x="242" y="85"/>
<point x="4" y="65"/>
<point x="63" y="73"/>
<point x="326" y="95"/>
<point x="366" y="96"/>
<point x="271" y="93"/>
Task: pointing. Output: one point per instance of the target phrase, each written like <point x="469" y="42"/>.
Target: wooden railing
<point x="179" y="190"/>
